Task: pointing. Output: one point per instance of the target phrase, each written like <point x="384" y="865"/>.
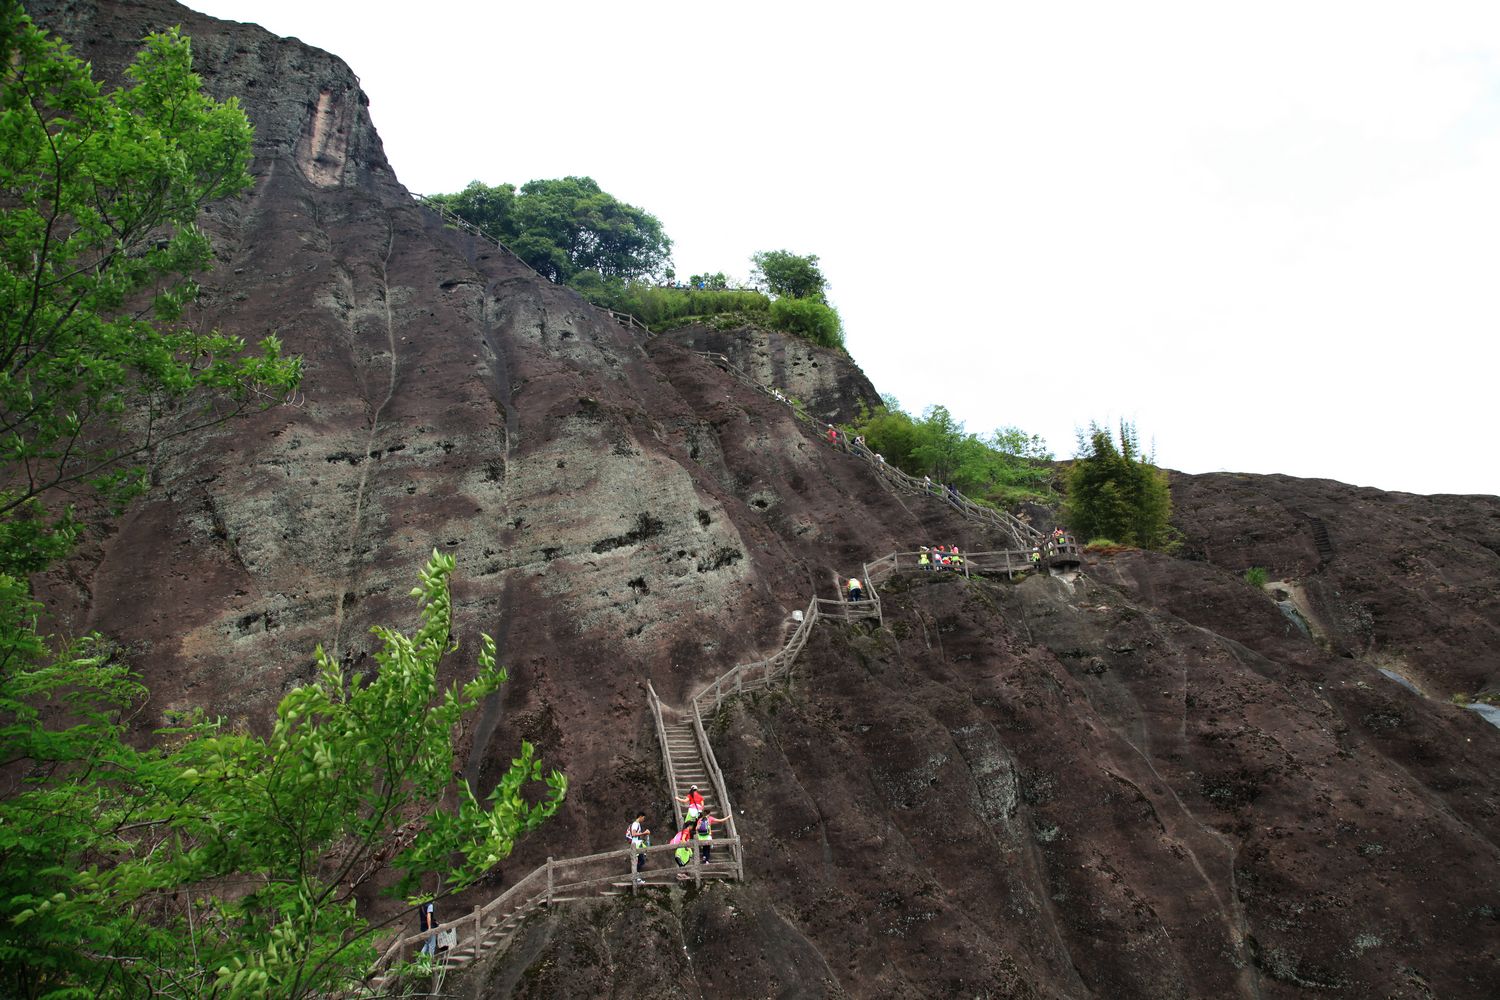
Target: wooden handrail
<point x="556" y="879"/>
<point x="721" y="788"/>
<point x="661" y="735"/>
<point x="1021" y="532"/>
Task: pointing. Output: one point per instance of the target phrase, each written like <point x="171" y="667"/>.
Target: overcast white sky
<point x="1268" y="233"/>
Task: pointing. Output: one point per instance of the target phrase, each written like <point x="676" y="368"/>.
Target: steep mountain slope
<point x="1143" y="784"/>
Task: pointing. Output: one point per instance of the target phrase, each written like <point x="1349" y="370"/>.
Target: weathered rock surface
<point x="828" y="383"/>
<point x="1145" y="784"/>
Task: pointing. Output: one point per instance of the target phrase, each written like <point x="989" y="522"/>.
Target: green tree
<point x="782" y="272"/>
<point x="1114" y="492"/>
<point x="220" y="863"/>
<point x="98" y="196"/>
<point x="937" y="446"/>
<point x="212" y="861"/>
<point x="1017" y="443"/>
<point x="568" y="227"/>
<point x="716" y="282"/>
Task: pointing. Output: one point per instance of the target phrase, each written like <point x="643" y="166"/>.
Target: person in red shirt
<point x="694" y="802"/>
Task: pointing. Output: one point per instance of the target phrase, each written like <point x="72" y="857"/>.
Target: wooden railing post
<point x="549" y="880"/>
<point x="478" y="928"/>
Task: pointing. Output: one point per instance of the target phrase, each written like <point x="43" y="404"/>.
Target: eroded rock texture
<point x="1143" y="784"/>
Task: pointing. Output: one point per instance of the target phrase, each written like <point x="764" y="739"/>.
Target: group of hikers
<point x="940" y="558"/>
<point x="1058" y="541"/>
<point x="697" y="827"/>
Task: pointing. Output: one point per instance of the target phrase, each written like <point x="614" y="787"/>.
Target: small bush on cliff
<point x="1006" y="468"/>
<point x="664" y="307"/>
<point x="808" y="318"/>
<point x="1255" y="576"/>
<point x="1114" y="492"/>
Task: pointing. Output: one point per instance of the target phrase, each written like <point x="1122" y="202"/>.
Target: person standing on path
<point x="856" y="590"/>
<point x="426" y="921"/>
<point x="640" y="838"/>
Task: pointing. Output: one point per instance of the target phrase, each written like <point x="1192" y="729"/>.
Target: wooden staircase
<point x="689" y="758"/>
<point x="686" y="768"/>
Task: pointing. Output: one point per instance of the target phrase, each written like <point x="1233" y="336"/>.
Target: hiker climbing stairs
<point x="687" y="756"/>
<point x="686" y="769"/>
<point x="688" y="760"/>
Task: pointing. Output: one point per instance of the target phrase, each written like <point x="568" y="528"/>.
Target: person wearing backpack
<point x="639" y="838"/>
<point x="703" y="833"/>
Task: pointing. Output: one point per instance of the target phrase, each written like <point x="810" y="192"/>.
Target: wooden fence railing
<point x="549" y="884"/>
<point x="721" y="788"/>
<point x="1021" y="533"/>
<point x="661" y="735"/>
<point x="759" y="673"/>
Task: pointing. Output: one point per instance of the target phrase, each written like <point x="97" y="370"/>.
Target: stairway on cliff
<point x="687" y="768"/>
<point x="1321" y="540"/>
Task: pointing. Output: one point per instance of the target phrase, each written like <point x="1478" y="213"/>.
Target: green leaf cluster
<point x="207" y="861"/>
<point x="566" y="227"/>
<point x="98" y="196"/>
<point x="223" y="862"/>
<point x="1114" y="492"/>
<point x="808" y="318"/>
<point x="784" y="273"/>
<point x="1005" y="468"/>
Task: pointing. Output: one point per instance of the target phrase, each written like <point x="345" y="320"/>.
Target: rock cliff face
<point x="1145" y="783"/>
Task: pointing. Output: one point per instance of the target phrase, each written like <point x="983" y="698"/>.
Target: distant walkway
<point x="687" y="756"/>
<point x="1022" y="535"/>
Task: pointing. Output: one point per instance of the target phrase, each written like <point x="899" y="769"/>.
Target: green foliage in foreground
<point x="222" y="863"/>
<point x="1007" y="468"/>
<point x="1114" y="492"/>
<point x="212" y="862"/>
<point x="98" y="196"/>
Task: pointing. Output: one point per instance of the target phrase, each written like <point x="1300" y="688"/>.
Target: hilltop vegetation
<point x="618" y="256"/>
<point x="1007" y="467"/>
